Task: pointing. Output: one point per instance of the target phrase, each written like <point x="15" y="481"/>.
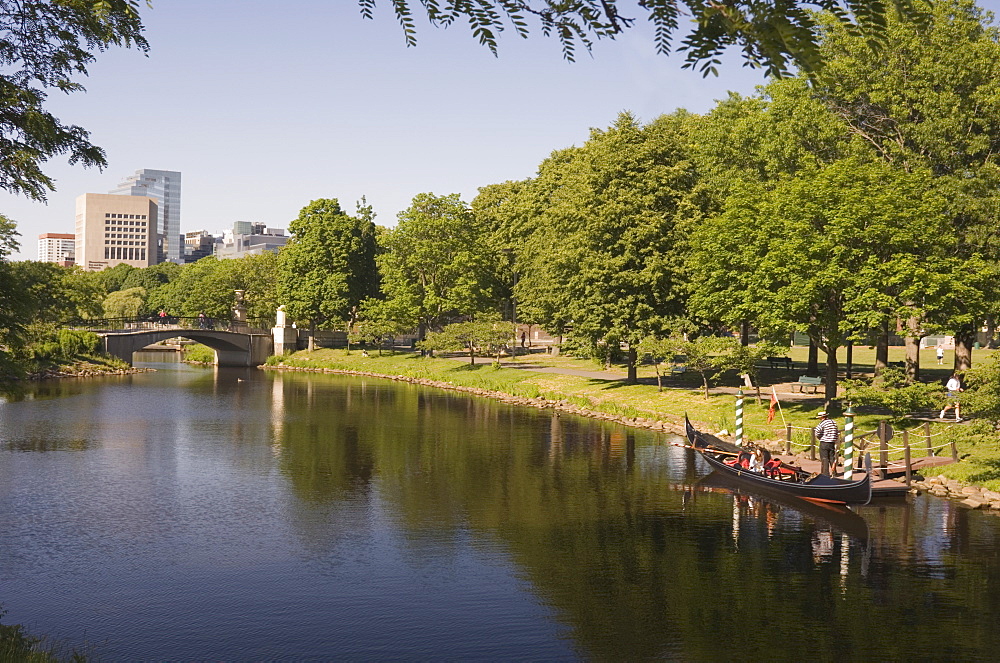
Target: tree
<point x="437" y="266"/>
<point x="931" y="101"/>
<point x="607" y="252"/>
<point x="705" y="355"/>
<point x="829" y="252"/>
<point x="487" y="336"/>
<point x="125" y="303"/>
<point x="45" y="44"/>
<point x="775" y="35"/>
<point x="13" y="306"/>
<point x="328" y="267"/>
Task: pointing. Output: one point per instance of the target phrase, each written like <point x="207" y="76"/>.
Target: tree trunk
<point x="991" y="330"/>
<point x="813" y="368"/>
<point x="882" y="349"/>
<point x="965" y="338"/>
<point x="659" y="382"/>
<point x="312" y="336"/>
<point x="912" y="348"/>
<point x="850" y="360"/>
<point x="472" y="354"/>
<point x="633" y="368"/>
<point x="745" y="333"/>
<point x="704" y="381"/>
<point x="830" y="391"/>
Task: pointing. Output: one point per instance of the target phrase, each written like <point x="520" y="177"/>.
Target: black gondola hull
<point x="820" y="488"/>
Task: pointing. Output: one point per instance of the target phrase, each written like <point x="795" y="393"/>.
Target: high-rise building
<point x="57" y="247"/>
<point x="112" y="229"/>
<point x="163" y="186"/>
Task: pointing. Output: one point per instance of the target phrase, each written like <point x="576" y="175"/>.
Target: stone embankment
<point x="54" y="373"/>
<point x="972" y="497"/>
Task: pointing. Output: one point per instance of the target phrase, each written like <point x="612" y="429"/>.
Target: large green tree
<point x="606" y="254"/>
<point x="931" y="101"/>
<point x="438" y="265"/>
<point x="831" y="252"/>
<point x="328" y="267"/>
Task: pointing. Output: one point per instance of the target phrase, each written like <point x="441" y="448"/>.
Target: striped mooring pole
<point x="849" y="442"/>
<point x="739" y="417"/>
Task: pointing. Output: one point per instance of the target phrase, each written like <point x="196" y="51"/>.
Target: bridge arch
<point x="231" y="348"/>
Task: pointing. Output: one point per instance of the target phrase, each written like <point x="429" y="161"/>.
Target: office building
<point x="248" y="238"/>
<point x="197" y="245"/>
<point x="112" y="229"/>
<point x="59" y="248"/>
<point x="163" y="186"/>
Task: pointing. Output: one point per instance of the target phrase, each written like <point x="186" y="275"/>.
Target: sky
<point x="264" y="106"/>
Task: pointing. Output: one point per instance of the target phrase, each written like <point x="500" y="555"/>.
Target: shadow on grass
<point x="990" y="472"/>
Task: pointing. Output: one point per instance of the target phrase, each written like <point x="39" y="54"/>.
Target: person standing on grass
<point x="954" y="389"/>
<point x="828" y="435"/>
<point x="940" y="354"/>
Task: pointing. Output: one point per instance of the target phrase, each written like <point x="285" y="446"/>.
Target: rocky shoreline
<point x="53" y="374"/>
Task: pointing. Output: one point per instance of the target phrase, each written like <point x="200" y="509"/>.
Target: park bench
<point x="775" y="362"/>
<point x="807" y="381"/>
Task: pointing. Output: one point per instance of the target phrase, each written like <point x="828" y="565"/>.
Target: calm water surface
<point x="202" y="514"/>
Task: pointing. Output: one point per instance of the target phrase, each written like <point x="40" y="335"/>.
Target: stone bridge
<point x="232" y="348"/>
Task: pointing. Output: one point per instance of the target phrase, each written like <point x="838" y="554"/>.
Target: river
<point x="237" y="514"/>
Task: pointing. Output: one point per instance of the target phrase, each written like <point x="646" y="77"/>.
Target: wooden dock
<point x="882" y="486"/>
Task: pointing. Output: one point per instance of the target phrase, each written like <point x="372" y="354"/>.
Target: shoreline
<point x="968" y="495"/>
<point x="56" y="374"/>
<point x="656" y="425"/>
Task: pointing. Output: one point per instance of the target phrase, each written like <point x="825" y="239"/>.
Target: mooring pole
<point x="849" y="443"/>
<point x="739" y="417"/>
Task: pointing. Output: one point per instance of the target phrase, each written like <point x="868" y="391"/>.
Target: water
<point x="231" y="514"/>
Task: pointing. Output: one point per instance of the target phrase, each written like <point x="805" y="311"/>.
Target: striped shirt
<point x="827" y="432"/>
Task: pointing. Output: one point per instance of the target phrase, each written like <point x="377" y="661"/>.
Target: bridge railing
<point x="158" y="323"/>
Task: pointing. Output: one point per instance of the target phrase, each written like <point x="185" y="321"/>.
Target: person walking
<point x="940" y="354"/>
<point x="828" y="435"/>
<point x="954" y="388"/>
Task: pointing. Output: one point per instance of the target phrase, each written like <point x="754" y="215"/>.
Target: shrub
<point x="892" y="392"/>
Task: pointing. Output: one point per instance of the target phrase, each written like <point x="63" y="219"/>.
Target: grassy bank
<point x="80" y="366"/>
<point x="975" y="442"/>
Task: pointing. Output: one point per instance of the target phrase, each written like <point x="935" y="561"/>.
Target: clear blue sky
<point x="264" y="106"/>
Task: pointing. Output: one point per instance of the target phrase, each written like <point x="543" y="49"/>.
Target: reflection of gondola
<point x="836" y="516"/>
<point x="819" y="487"/>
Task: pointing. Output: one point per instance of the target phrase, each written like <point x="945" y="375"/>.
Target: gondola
<point x="798" y="482"/>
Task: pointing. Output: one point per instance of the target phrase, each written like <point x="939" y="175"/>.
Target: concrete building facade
<point x="59" y="248"/>
<point x="112" y="229"/>
<point x="248" y="238"/>
<point x="163" y="186"/>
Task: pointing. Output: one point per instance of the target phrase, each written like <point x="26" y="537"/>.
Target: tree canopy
<point x="44" y="44"/>
<point x="778" y="36"/>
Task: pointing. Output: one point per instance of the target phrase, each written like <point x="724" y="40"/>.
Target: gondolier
<point x="828" y="435"/>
